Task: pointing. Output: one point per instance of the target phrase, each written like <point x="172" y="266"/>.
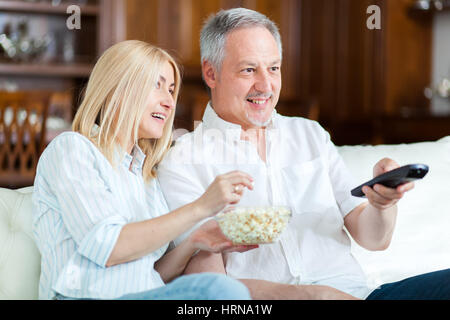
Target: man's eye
<point x="248" y="70"/>
<point x="275" y="69"/>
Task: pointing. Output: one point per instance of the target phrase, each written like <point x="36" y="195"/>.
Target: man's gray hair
<point x="215" y="29"/>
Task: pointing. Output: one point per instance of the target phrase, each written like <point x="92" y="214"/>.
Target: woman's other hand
<point x="209" y="237"/>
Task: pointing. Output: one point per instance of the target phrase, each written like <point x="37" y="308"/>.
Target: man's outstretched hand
<point x="382" y="197"/>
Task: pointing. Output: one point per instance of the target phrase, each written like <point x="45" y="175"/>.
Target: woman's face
<point x="160" y="105"/>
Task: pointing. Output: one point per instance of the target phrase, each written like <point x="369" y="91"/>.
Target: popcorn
<point x="253" y="225"/>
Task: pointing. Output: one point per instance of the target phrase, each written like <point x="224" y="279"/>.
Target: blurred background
<point x="364" y="86"/>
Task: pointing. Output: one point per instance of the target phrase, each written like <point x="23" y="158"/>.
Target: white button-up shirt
<point x="303" y="170"/>
<point x="80" y="204"/>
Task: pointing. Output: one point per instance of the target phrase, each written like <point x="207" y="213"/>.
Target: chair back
<point x="23" y="118"/>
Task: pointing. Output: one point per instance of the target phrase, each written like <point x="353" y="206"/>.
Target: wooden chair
<point x="22" y="136"/>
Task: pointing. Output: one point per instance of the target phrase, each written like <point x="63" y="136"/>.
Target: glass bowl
<point x="253" y="225"/>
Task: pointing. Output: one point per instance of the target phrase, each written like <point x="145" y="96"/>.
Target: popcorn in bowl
<point x="253" y="225"/>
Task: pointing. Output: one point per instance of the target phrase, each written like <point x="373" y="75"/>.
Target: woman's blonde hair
<point x="116" y="97"/>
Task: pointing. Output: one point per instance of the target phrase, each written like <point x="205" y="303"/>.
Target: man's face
<point x="247" y="88"/>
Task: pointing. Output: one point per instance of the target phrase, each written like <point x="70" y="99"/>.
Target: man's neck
<point x="253" y="134"/>
<point x="257" y="137"/>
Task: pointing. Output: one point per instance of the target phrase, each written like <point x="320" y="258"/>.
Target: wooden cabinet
<point x="354" y="75"/>
<point x="331" y="61"/>
<point x="175" y="25"/>
<point x="361" y="75"/>
<point x="65" y="65"/>
<point x="50" y="20"/>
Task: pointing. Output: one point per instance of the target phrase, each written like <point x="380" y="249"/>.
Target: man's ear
<point x="209" y="74"/>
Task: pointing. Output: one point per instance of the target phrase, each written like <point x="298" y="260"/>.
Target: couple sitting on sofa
<point x="103" y="193"/>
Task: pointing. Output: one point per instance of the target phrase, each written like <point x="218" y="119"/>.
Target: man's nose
<point x="263" y="83"/>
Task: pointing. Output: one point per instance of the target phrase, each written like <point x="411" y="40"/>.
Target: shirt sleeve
<point x="181" y="183"/>
<point x="341" y="178"/>
<point x="89" y="209"/>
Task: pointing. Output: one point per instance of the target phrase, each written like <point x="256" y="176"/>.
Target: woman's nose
<point x="168" y="102"/>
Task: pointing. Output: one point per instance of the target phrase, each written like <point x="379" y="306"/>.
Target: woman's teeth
<point x="159" y="116"/>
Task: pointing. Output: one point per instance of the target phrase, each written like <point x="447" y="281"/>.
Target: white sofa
<point x="421" y="242"/>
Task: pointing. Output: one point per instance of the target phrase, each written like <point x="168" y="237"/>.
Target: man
<point x="293" y="163"/>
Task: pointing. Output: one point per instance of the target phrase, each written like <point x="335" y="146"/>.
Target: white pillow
<point x="421" y="241"/>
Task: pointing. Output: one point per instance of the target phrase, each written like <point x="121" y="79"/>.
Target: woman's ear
<point x="209" y="74"/>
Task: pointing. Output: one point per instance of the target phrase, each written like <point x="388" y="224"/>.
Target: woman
<point x="99" y="218"/>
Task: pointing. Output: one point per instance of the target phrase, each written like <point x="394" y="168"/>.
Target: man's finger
<point x="388" y="193"/>
<point x="374" y="197"/>
<point x="384" y="165"/>
<point x="406" y="187"/>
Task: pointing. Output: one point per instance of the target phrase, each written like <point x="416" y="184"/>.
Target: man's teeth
<point x="159" y="116"/>
<point x="257" y="101"/>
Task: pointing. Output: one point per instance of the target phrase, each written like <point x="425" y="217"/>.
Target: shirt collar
<point x="212" y="121"/>
<point x="135" y="160"/>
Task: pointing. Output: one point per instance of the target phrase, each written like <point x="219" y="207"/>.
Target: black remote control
<point x="394" y="178"/>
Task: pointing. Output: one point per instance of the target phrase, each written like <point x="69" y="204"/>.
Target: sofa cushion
<point x="421" y="240"/>
<point x="19" y="256"/>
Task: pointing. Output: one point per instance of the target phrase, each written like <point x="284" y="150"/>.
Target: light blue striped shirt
<point x="80" y="204"/>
